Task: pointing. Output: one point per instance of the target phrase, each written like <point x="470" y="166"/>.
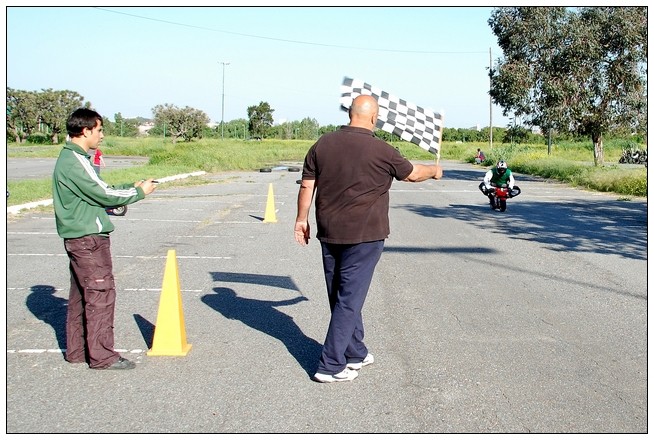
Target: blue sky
<point x="128" y="60"/>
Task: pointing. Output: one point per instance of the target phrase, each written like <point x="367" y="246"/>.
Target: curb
<point x="17" y="208"/>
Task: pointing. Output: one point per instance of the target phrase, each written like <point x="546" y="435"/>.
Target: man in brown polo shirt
<point x="350" y="171"/>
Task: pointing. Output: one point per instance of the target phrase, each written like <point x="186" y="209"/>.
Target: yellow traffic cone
<point x="169" y="333"/>
<point x="270" y="216"/>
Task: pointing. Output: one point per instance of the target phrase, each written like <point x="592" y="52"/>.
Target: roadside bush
<point x="632" y="182"/>
<point x="504" y="152"/>
<point x="39" y="139"/>
<point x="551" y="169"/>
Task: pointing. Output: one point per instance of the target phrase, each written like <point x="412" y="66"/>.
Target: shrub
<point x="39" y="139"/>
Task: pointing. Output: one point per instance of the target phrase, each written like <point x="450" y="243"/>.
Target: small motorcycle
<point x="499" y="195"/>
<point x="120" y="211"/>
<point x="117" y="210"/>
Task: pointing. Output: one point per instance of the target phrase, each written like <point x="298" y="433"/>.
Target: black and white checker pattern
<point x="406" y="120"/>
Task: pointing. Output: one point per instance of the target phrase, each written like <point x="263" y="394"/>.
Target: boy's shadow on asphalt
<point x="50" y="309"/>
<point x="263" y="316"/>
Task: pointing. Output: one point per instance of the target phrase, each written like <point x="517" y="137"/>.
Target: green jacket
<point x="500" y="180"/>
<point x="80" y="197"/>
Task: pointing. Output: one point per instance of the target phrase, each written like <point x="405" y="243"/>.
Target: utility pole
<point x="222" y="117"/>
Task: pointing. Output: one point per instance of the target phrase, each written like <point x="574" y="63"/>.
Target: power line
<point x="285" y="40"/>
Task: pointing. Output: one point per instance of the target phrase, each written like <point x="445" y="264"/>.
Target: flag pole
<point x="438" y="155"/>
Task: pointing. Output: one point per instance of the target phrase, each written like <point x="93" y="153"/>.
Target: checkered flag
<point x="408" y="121"/>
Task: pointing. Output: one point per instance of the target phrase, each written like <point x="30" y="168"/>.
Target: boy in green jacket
<point x="80" y="198"/>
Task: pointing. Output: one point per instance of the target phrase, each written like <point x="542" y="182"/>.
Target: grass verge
<point x="571" y="164"/>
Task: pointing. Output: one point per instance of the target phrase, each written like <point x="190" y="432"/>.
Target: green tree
<point x="28" y="111"/>
<point x="290" y="130"/>
<point x="515" y="134"/>
<point x="55" y="106"/>
<point x="123" y="127"/>
<point x="261" y="119"/>
<point x="185" y="123"/>
<point x="285" y="130"/>
<point x="308" y="128"/>
<point x="22" y="114"/>
<point x="580" y="71"/>
<point x="328" y="129"/>
<point x="234" y="129"/>
<point x="237" y="128"/>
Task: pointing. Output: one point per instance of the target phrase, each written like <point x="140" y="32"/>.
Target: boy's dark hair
<point x="80" y="119"/>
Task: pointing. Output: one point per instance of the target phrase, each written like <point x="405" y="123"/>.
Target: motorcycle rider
<point x="498" y="176"/>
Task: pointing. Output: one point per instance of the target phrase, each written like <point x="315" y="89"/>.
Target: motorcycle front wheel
<point x="118" y="211"/>
<point x="502" y="205"/>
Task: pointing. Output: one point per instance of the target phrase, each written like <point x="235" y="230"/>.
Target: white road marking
<point x="60" y="350"/>
<point x="31" y="233"/>
<point x="144" y="257"/>
<point x="136" y="289"/>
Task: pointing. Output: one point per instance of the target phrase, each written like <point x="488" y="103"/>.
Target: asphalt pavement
<point x="529" y="321"/>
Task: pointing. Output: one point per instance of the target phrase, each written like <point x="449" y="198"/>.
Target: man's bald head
<point x="364" y="111"/>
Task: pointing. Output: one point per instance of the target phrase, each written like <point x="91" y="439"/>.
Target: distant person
<point x="98" y="160"/>
<point x="479" y="157"/>
<point x="80" y="199"/>
<point x="351" y="172"/>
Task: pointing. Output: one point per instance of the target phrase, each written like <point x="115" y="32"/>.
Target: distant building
<point x="145" y="127"/>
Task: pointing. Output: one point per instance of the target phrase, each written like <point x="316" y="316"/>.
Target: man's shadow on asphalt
<point x="263" y="316"/>
<point x="50" y="309"/>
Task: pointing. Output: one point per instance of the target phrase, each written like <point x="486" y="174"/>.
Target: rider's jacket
<point x="493" y="178"/>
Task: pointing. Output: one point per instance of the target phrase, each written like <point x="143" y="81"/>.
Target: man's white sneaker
<point x="343" y="376"/>
<point x="369" y="359"/>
